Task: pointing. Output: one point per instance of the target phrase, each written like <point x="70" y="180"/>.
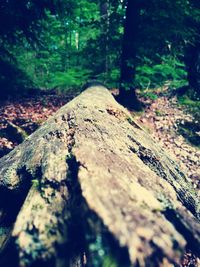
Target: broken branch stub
<point x="98" y="185"/>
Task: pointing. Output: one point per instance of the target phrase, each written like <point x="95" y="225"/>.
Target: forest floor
<point x="28" y="114"/>
<point x="161" y="118"/>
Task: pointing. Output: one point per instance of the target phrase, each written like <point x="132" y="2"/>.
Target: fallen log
<point x="90" y="187"/>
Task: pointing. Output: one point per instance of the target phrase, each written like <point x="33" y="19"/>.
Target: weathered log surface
<point x="91" y="169"/>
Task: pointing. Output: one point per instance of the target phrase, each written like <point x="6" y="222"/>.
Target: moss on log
<point x="90" y="187"/>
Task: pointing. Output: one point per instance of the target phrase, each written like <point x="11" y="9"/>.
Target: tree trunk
<point x="192" y="55"/>
<point x="127" y="94"/>
<point x="100" y="193"/>
<point x="193" y="66"/>
<point x="105" y="25"/>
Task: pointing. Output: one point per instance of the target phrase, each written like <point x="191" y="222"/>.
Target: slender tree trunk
<point x="105" y="24"/>
<point x="127" y="94"/>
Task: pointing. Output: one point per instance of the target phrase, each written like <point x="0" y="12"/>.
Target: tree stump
<point x="91" y="188"/>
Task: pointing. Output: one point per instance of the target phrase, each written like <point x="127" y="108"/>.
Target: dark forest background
<point x="60" y="44"/>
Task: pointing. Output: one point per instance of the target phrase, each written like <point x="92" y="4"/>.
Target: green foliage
<point x="114" y="77"/>
<point x="185" y="100"/>
<point x="170" y="69"/>
<point x="109" y="261"/>
<point x="35" y="183"/>
<point x="73" y="78"/>
<point x="61" y="44"/>
<point x="66" y="44"/>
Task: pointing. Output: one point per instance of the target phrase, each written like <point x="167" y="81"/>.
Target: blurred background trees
<point x="61" y="44"/>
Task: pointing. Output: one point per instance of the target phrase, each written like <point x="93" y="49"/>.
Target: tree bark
<point x="90" y="187"/>
<point x="105" y="25"/>
<point x="192" y="54"/>
<point x="193" y="66"/>
<point x="127" y="94"/>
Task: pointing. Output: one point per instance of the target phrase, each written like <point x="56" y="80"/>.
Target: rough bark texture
<point x="100" y="191"/>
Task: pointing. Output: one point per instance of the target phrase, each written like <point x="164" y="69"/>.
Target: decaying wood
<point x="100" y="191"/>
